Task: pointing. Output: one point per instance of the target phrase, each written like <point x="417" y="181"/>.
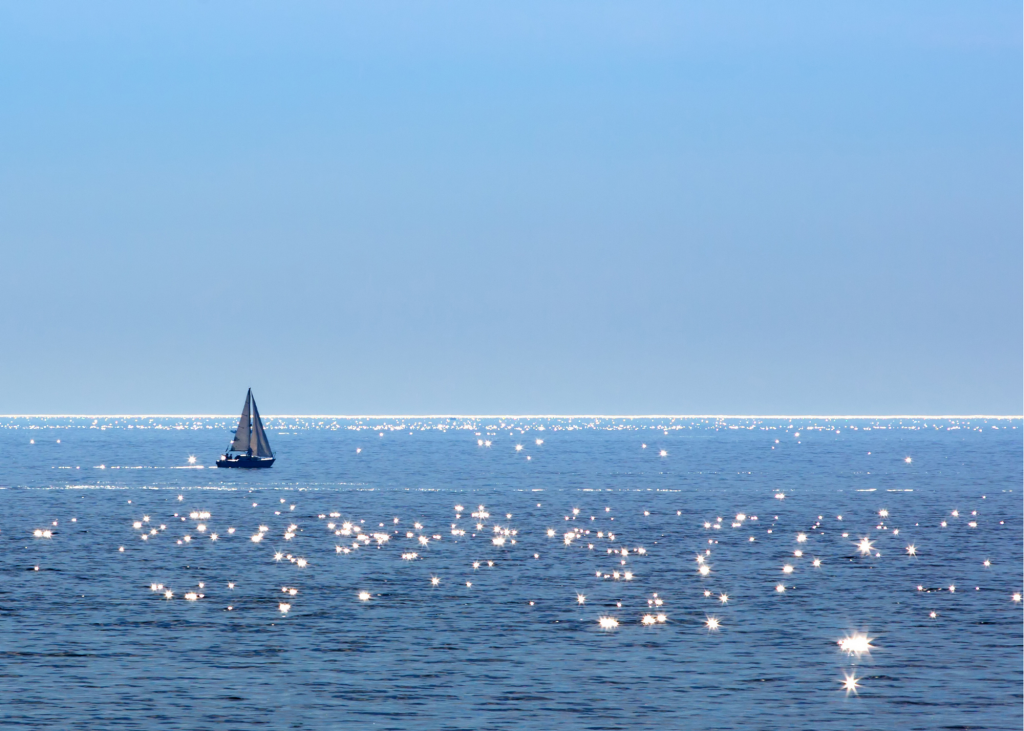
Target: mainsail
<point x="241" y="441"/>
<point x="258" y="443"/>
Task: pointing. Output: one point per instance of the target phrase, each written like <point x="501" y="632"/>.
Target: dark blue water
<point x="86" y="643"/>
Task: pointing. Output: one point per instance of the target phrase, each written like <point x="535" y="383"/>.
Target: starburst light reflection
<point x="851" y="683"/>
<point x="856" y="644"/>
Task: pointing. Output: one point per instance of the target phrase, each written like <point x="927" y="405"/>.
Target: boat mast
<point x="248" y="451"/>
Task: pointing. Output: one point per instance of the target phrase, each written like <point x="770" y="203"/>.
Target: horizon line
<point x="528" y="416"/>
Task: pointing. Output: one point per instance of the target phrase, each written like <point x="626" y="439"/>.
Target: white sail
<point x="258" y="443"/>
<point x="241" y="441"/>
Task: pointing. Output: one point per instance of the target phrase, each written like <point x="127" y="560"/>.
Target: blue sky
<point x="474" y="207"/>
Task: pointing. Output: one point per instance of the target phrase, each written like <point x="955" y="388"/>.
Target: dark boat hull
<point x="246" y="462"/>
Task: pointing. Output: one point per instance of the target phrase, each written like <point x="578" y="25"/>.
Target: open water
<point x="591" y="523"/>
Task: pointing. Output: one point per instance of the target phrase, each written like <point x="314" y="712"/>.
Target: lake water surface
<point x="576" y="520"/>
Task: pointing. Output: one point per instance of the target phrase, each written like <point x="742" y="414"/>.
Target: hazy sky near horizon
<point x="528" y="207"/>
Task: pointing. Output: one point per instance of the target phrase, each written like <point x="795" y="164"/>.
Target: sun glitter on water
<point x="850" y="682"/>
<point x="856" y="644"/>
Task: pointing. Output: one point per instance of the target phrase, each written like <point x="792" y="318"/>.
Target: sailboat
<point x="250" y="447"/>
